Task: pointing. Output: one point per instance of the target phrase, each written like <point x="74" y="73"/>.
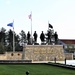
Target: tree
<point x="17" y="43"/>
<point x="6" y="40"/>
<point x="2" y="40"/>
<point x="2" y="48"/>
<point x="23" y="37"/>
<point x="3" y="35"/>
<point x="10" y="40"/>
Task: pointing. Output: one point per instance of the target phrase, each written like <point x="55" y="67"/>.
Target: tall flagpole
<point x="30" y="17"/>
<point x="31" y="26"/>
<point x="13" y="38"/>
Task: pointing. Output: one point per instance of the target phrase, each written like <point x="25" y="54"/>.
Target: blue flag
<point x="10" y="24"/>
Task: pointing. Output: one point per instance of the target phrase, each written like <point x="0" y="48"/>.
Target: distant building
<point x="68" y="44"/>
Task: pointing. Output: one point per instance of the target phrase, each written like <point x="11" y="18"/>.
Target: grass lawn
<point x="37" y="69"/>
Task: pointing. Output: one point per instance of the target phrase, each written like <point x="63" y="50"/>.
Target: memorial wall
<point x="39" y="53"/>
<point x="44" y="52"/>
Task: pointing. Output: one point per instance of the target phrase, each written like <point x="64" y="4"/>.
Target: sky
<point x="59" y="13"/>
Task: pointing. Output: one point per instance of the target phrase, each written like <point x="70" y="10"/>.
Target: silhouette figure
<point x="56" y="37"/>
<point x="42" y="37"/>
<point x="35" y="37"/>
<point x="28" y="37"/>
<point x="48" y="37"/>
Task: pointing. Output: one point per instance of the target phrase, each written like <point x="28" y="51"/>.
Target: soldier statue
<point x="56" y="37"/>
<point x="28" y="37"/>
<point x="42" y="37"/>
<point x="35" y="37"/>
<point x="48" y="37"/>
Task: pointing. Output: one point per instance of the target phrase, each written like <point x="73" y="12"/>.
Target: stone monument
<point x="44" y="52"/>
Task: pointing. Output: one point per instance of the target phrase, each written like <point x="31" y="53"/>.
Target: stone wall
<point x="69" y="56"/>
<point x="3" y="56"/>
<point x="44" y="52"/>
<point x="37" y="53"/>
<point x="14" y="56"/>
<point x="11" y="56"/>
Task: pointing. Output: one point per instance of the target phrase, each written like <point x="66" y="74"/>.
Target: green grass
<point x="37" y="69"/>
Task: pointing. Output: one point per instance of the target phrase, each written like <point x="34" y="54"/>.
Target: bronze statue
<point x="35" y="37"/>
<point x="56" y="38"/>
<point x="48" y="37"/>
<point x="28" y="37"/>
<point x="42" y="37"/>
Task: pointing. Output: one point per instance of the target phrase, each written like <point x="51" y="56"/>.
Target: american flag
<point x="30" y="16"/>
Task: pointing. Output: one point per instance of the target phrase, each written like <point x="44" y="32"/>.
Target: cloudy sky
<point x="60" y="13"/>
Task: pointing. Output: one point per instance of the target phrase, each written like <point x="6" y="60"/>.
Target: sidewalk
<point x="47" y="61"/>
<point x="68" y="62"/>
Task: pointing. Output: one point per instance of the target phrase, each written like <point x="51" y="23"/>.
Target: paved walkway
<point x="47" y="61"/>
<point x="68" y="62"/>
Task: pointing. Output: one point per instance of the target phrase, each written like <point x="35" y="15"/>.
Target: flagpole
<point x="30" y="17"/>
<point x="31" y="24"/>
<point x="13" y="38"/>
<point x="31" y="27"/>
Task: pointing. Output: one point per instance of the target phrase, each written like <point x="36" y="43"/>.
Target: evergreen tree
<point x="2" y="40"/>
<point x="10" y="40"/>
<point x="23" y="37"/>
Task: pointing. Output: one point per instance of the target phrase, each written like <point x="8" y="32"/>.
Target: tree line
<point x="6" y="40"/>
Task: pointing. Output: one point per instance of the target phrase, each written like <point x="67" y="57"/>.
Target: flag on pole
<point x="30" y="16"/>
<point x="10" y="24"/>
<point x="50" y="25"/>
